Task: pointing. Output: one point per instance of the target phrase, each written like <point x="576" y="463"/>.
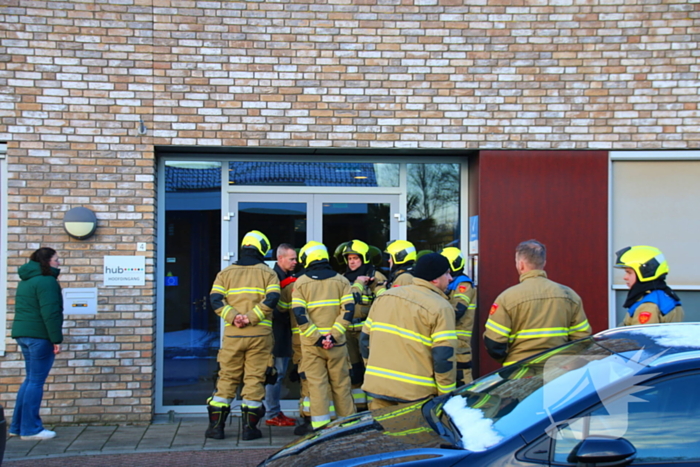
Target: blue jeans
<point x="273" y="391"/>
<point x="38" y="359"/>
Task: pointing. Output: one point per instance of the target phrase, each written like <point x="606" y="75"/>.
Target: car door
<point x="660" y="418"/>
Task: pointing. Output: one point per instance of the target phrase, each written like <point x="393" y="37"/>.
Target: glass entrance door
<point x="298" y="218"/>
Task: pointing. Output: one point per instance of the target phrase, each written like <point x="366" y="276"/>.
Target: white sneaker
<point x="43" y="434"/>
<point x="12" y="435"/>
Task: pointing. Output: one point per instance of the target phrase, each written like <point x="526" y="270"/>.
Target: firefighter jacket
<point x="462" y="297"/>
<point x="322" y="304"/>
<point x="409" y="341"/>
<point x="252" y="291"/>
<point x="533" y="316"/>
<point x="364" y="295"/>
<point x="655" y="306"/>
<point x="400" y="277"/>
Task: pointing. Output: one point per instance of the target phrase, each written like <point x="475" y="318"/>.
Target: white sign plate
<point x="124" y="270"/>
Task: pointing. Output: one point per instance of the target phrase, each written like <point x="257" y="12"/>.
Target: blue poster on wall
<point x="474" y="235"/>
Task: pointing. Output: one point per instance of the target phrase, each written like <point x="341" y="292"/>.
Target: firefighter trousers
<point x="243" y="360"/>
<point x="357" y="366"/>
<point x="327" y="370"/>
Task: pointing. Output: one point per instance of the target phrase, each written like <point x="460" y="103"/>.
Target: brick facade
<point x="76" y="78"/>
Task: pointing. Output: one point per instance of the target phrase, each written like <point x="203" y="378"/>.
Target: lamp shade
<point x="80" y="223"/>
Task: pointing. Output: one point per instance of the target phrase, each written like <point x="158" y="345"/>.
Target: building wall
<point x="77" y="78"/>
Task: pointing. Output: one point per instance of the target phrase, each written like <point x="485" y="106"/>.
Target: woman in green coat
<point x="37" y="330"/>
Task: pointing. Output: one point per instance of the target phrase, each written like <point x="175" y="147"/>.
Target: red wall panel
<point x="557" y="197"/>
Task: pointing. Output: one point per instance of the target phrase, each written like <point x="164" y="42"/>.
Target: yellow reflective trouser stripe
<point x="579" y="327"/>
<point x="444" y="336"/>
<point x="400" y="376"/>
<point x="497" y="328"/>
<point x="320" y="420"/>
<point x="359" y="396"/>
<point x="401" y="332"/>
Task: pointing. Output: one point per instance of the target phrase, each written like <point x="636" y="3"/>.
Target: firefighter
<point x="535" y="315"/>
<point x="281" y="329"/>
<point x="323" y="306"/>
<point x="649" y="299"/>
<point x="367" y="283"/>
<point x="244" y="296"/>
<point x="402" y="257"/>
<point x="462" y="296"/>
<point x="409" y="338"/>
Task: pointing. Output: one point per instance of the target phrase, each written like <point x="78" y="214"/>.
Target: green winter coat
<point x="38" y="305"/>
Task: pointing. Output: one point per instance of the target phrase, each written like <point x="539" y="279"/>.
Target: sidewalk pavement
<point x="180" y="440"/>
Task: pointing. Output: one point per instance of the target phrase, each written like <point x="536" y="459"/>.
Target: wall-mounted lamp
<point x="80" y="223"/>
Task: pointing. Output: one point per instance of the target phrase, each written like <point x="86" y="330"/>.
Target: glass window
<point x="349" y="174"/>
<point x="660" y="421"/>
<point x="433" y="206"/>
<point x="192" y="260"/>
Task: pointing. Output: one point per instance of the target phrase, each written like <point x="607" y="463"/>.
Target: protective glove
<point x="270" y="375"/>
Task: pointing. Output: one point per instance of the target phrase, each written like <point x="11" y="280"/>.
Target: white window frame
<point x="628" y="156"/>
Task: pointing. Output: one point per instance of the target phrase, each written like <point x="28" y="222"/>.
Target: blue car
<point x="626" y="396"/>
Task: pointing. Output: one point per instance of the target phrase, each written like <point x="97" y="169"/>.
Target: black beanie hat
<point x="431" y="266"/>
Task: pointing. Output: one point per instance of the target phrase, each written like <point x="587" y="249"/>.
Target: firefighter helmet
<point x="256" y="240"/>
<point x="356" y="247"/>
<point x="312" y="251"/>
<point x="646" y="261"/>
<point x="454" y="256"/>
<point x="401" y="251"/>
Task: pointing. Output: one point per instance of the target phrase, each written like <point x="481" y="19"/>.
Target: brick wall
<point x="77" y="77"/>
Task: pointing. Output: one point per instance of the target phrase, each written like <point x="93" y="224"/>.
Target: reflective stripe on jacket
<point x="535" y="315"/>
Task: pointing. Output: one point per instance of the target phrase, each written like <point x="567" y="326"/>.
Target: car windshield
<point x="503" y="404"/>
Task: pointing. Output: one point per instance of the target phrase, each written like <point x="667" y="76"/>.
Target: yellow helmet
<point x="256" y="240"/>
<point x="312" y="251"/>
<point x="356" y="247"/>
<point x="648" y="262"/>
<point x="401" y="251"/>
<point x="454" y="256"/>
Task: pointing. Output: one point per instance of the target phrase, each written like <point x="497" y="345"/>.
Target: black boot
<point x="251" y="418"/>
<point x="304" y="429"/>
<point x="217" y="420"/>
